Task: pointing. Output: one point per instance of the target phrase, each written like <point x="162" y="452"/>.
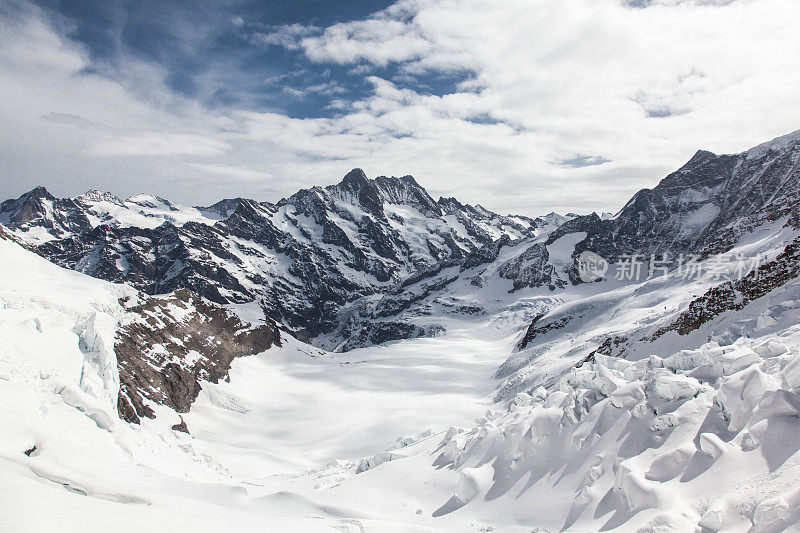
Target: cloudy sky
<point x="523" y="106"/>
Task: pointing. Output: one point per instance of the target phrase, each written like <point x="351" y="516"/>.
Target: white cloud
<point x="379" y="41"/>
<point x="156" y="143"/>
<point x="569" y="105"/>
<point x="230" y="173"/>
<point x="642" y="88"/>
<point x="286" y="35"/>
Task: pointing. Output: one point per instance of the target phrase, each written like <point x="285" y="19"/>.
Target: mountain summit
<point x="302" y="259"/>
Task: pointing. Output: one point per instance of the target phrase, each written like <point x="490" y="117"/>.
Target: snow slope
<point x="692" y="432"/>
<point x="685" y="433"/>
<point x="284" y="411"/>
<point x="300" y="407"/>
<point x="67" y="462"/>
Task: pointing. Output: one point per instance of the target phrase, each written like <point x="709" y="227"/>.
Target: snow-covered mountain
<point x="136" y="350"/>
<point x="302" y="259"/>
<point x="523" y="397"/>
<point x="701" y="208"/>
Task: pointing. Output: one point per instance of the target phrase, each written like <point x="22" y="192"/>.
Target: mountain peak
<point x="354" y="179"/>
<point x="30" y="198"/>
<point x="702" y="154"/>
<point x="150" y="200"/>
<point x="36" y="206"/>
<point x="357" y="184"/>
<point x="450" y="204"/>
<point x="224" y="207"/>
<point x="700" y="157"/>
<point x="37" y="192"/>
<point x="408" y="179"/>
<point x="95" y="195"/>
<point x="406" y="190"/>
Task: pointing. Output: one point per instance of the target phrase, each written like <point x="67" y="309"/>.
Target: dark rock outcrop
<point x="175" y="343"/>
<point x="736" y="294"/>
<point x="381" y="332"/>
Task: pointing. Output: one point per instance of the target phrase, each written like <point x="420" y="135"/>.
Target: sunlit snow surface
<point x="692" y="431"/>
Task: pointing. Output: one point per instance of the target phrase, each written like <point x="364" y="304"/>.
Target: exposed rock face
<point x="542" y="325"/>
<point x="381" y="332"/>
<point x="485" y="254"/>
<point x="175" y="342"/>
<point x="536" y="328"/>
<point x="734" y="295"/>
<point x="701" y="208"/>
<point x="58" y="217"/>
<point x="532" y="269"/>
<point x="7" y="235"/>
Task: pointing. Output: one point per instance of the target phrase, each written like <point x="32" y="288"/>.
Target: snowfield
<point x="687" y="433"/>
<point x="64" y="449"/>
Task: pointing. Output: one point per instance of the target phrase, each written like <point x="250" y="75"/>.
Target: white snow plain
<point x="691" y="433"/>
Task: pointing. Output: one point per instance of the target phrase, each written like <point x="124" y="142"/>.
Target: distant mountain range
<point x="301" y="259"/>
<point x="352" y="264"/>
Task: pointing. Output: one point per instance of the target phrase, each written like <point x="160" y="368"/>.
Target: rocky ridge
<point x="302" y="259"/>
<point x="168" y="345"/>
